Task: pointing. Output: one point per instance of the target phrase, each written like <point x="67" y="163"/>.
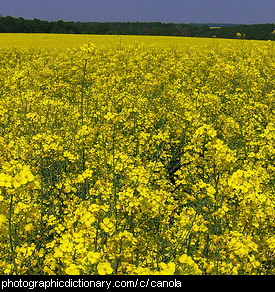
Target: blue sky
<point x="179" y="11"/>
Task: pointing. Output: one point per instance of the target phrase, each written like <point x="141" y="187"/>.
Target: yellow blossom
<point x="104" y="268"/>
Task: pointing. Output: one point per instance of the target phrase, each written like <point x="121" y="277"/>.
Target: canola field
<point x="136" y="157"/>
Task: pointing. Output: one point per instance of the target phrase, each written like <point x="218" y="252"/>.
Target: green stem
<point x="10" y="236"/>
<point x="82" y="91"/>
<point x="84" y="186"/>
<point x="114" y="177"/>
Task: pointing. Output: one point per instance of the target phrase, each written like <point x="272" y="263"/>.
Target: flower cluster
<point x="137" y="160"/>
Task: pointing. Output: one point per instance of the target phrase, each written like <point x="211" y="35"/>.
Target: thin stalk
<point x="218" y="259"/>
<point x="82" y="92"/>
<point x="158" y="240"/>
<point x="10" y="236"/>
<point x="186" y="236"/>
<point x="42" y="192"/>
<point x="96" y="236"/>
<point x="114" y="177"/>
<point x="84" y="187"/>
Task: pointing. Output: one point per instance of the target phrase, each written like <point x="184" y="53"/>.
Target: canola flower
<point x="137" y="159"/>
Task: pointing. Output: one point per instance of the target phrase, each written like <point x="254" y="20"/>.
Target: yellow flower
<point x="107" y="225"/>
<point x="167" y="269"/>
<point x="66" y="246"/>
<point x="72" y="270"/>
<point x="189" y="267"/>
<point x="29" y="227"/>
<point x="57" y="252"/>
<point x="5" y="180"/>
<point x="104" y="268"/>
<point x="8" y="268"/>
<point x="93" y="257"/>
<point x="185" y="259"/>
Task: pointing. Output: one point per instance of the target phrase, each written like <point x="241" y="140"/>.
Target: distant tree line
<point x="10" y="24"/>
<point x="250" y="32"/>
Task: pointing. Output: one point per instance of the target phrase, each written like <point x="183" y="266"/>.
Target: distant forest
<point x="10" y="24"/>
